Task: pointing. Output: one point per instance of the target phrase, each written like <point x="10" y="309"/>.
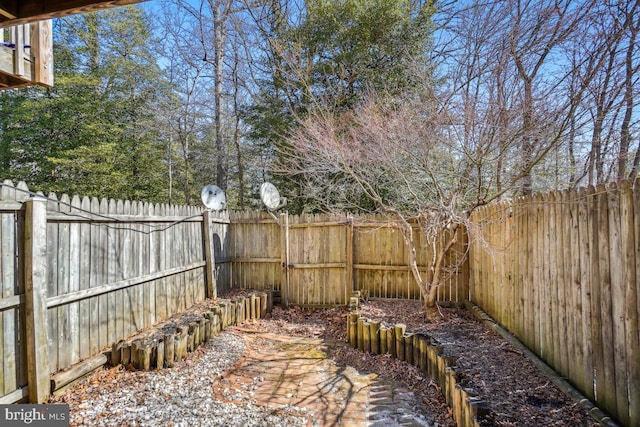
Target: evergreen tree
<point x="338" y="53"/>
<point x="94" y="133"/>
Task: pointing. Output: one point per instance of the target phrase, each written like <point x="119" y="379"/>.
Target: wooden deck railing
<point x="26" y="55"/>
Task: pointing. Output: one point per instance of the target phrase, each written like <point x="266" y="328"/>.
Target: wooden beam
<point x="11" y="302"/>
<point x="9" y="9"/>
<point x="209" y="256"/>
<point x="35" y="283"/>
<point x="42" y="48"/>
<point x="15" y="396"/>
<point x="13" y="12"/>
<point x="77" y="371"/>
<point x="70" y="297"/>
<point x="18" y="52"/>
<point x="8" y="81"/>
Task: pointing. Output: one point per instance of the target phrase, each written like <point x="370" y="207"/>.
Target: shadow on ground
<point x="282" y="372"/>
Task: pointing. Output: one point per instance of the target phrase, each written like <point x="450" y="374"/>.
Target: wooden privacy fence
<point x="560" y="271"/>
<point x="318" y="260"/>
<point x="81" y="274"/>
<point x="381" y="261"/>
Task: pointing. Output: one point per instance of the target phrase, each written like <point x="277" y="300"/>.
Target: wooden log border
<point x="425" y="353"/>
<point x="158" y="353"/>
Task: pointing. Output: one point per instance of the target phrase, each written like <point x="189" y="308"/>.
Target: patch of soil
<point x="515" y="390"/>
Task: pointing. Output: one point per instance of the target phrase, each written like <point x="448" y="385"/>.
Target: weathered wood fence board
<point x="317" y="264"/>
<point x="87" y="255"/>
<point x="381" y="262"/>
<point x="317" y="260"/>
<point x="112" y="269"/>
<point x="560" y="272"/>
<point x="253" y="251"/>
<point x="12" y="294"/>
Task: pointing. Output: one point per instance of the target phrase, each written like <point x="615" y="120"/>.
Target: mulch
<point x="517" y="393"/>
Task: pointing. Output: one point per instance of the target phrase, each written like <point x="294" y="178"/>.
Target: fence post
<point x="349" y="255"/>
<point x="284" y="258"/>
<point x="209" y="255"/>
<point x="35" y="282"/>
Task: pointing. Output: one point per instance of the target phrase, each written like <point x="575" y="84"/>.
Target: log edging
<point x="425" y="353"/>
<point x="164" y="348"/>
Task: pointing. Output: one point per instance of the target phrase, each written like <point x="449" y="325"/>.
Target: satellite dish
<point x="213" y="197"/>
<point x="271" y="197"/>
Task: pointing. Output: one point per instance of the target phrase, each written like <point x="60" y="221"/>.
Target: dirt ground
<point x="515" y="390"/>
<point x="517" y="393"/>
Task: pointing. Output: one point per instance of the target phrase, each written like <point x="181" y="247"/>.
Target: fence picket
<point x="150" y="257"/>
<point x="526" y="260"/>
<point x="8" y="351"/>
<point x="102" y="277"/>
<point x="74" y="281"/>
<point x="633" y="315"/>
<point x="617" y="293"/>
<point x="608" y="391"/>
<point x="93" y="254"/>
<point x="114" y="320"/>
<point x="539" y="282"/>
<point x="563" y="283"/>
<point x="84" y="280"/>
<point x="519" y="267"/>
<point x="561" y="273"/>
<point x="628" y="301"/>
<point x="575" y="356"/>
<point x="64" y="325"/>
<point x="585" y="210"/>
<point x="161" y="288"/>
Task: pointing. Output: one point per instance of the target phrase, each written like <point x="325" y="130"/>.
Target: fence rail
<point x="108" y="268"/>
<point x="560" y="271"/>
<point x="104" y="270"/>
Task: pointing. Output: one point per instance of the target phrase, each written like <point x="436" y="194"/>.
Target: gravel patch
<point x="180" y="396"/>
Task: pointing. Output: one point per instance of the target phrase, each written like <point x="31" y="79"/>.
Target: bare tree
<point x="213" y="21"/>
<point x="187" y="112"/>
<point x="631" y="67"/>
<point x="387" y="158"/>
<point x="515" y="78"/>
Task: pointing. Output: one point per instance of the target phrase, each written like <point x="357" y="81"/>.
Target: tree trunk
<point x="236" y="132"/>
<point x="625" y="133"/>
<point x="431" y="310"/>
<point x="429" y="288"/>
<point x="219" y="22"/>
<point x="93" y="43"/>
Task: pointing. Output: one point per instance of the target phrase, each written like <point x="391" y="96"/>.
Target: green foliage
<point x="95" y="132"/>
<point x="339" y="53"/>
<point x="353" y="46"/>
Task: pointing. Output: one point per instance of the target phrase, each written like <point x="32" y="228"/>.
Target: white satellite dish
<point x="213" y="197"/>
<point x="271" y="197"/>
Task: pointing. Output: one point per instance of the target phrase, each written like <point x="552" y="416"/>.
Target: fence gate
<point x="318" y="260"/>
